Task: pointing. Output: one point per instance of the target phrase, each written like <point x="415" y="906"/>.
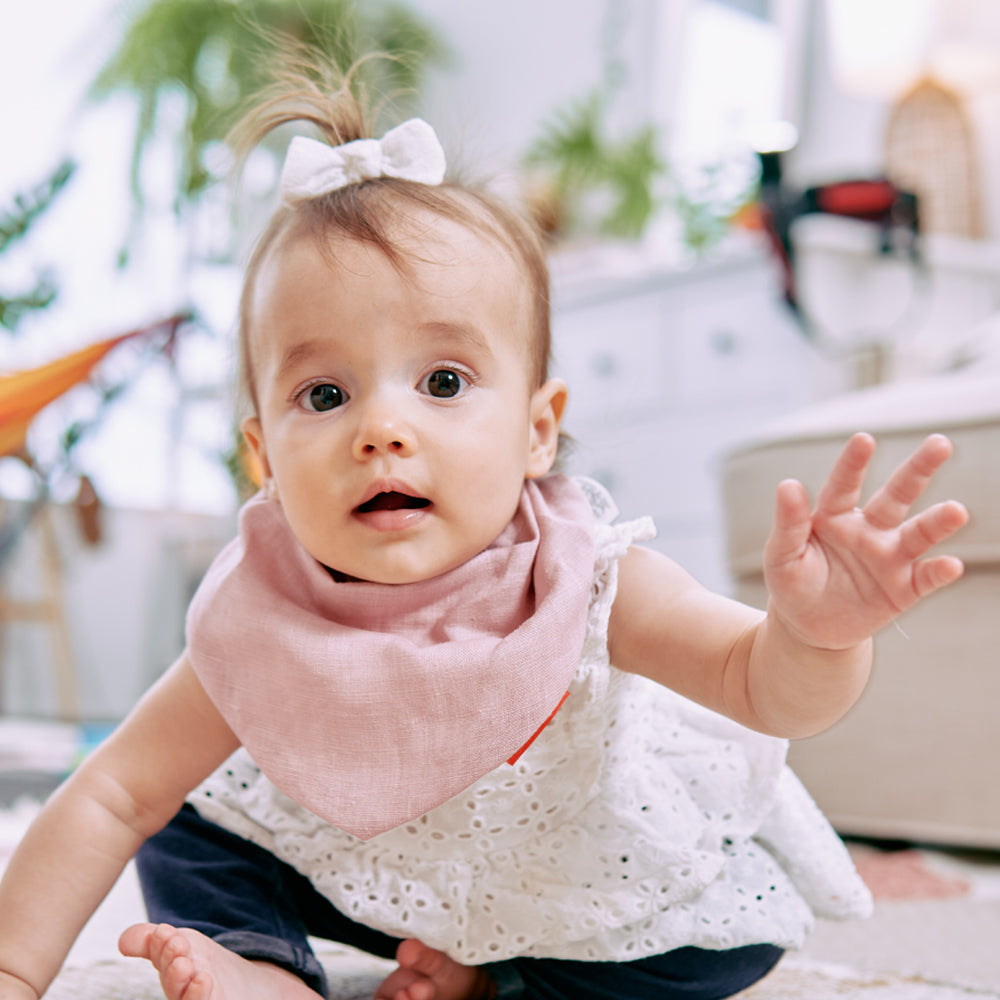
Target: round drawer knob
<point x="604" y="365"/>
<point x="724" y="342"/>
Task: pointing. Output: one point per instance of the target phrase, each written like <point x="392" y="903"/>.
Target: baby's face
<point x="396" y="416"/>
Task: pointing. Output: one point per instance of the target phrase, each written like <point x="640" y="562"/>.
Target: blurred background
<point x="753" y="206"/>
<point x="770" y="223"/>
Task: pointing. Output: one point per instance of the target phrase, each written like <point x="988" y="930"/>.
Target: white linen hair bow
<point x="410" y="151"/>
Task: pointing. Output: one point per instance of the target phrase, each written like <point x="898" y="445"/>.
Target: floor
<point x="945" y="926"/>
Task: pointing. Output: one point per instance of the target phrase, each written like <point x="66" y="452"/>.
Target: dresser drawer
<point x="612" y="355"/>
<point x="667" y="467"/>
<point x="736" y="349"/>
<point x="670" y="474"/>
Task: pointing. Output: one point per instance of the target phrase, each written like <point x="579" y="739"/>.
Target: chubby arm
<point x="835" y="575"/>
<point x="729" y="657"/>
<point x="124" y="792"/>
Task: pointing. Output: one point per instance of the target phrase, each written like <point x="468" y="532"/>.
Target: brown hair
<point x="368" y="211"/>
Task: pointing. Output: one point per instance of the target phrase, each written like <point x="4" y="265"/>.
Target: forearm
<point x="63" y="868"/>
<point x="790" y="688"/>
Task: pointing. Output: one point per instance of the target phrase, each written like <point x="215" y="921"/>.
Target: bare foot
<point x="194" y="967"/>
<point x="427" y="974"/>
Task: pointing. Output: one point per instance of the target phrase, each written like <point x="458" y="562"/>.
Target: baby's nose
<point x="383" y="430"/>
<point x="370" y="448"/>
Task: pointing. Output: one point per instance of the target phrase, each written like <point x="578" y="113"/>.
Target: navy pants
<point x="195" y="874"/>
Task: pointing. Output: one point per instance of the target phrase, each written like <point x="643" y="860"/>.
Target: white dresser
<point x="669" y="369"/>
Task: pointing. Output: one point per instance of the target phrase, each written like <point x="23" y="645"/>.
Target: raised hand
<point x="838" y="573"/>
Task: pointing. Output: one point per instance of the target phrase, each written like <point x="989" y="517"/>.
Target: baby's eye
<point x="322" y="397"/>
<point x="445" y="383"/>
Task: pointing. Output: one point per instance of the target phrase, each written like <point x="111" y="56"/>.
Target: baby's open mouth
<point x="392" y="501"/>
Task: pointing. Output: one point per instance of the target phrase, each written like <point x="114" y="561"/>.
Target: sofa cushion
<point x="965" y="406"/>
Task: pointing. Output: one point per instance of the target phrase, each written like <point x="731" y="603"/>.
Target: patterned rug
<point x="355" y="977"/>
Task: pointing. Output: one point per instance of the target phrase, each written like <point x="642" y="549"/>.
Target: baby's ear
<point x="547" y="407"/>
<point x="254" y="437"/>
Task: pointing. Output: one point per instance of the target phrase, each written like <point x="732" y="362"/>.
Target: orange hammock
<point x="23" y="394"/>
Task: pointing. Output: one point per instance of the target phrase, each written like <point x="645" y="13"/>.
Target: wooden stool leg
<point x="54" y="611"/>
<point x="48" y="610"/>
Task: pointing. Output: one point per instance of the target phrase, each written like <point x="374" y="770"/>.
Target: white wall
<point x="516" y="62"/>
<point x="124" y="602"/>
<point x="840" y="136"/>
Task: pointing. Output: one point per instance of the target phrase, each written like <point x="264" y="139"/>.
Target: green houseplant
<point x="15" y="222"/>
<point x="597" y="184"/>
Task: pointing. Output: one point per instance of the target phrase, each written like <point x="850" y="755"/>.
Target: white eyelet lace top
<point x="636" y="823"/>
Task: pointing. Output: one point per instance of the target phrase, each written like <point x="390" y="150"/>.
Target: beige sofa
<point x="918" y="758"/>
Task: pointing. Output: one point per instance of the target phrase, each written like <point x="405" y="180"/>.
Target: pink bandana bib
<point x="370" y="704"/>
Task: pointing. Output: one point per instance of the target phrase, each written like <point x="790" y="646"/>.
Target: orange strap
<point x="538" y="731"/>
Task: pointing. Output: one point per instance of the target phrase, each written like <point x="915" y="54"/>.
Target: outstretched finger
<point x="842" y="489"/>
<point x="792" y="524"/>
<point x="925" y="530"/>
<point x="934" y="573"/>
<point x="891" y="503"/>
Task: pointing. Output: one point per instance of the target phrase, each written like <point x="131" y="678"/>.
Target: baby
<point x="436" y="703"/>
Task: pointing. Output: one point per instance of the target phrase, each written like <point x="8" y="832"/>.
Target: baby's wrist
<point x="811" y="641"/>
